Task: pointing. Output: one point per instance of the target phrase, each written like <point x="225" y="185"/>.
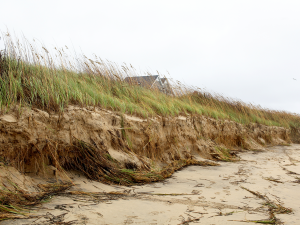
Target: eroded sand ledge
<point x="47" y="147"/>
<point x="36" y="139"/>
<point x="205" y="195"/>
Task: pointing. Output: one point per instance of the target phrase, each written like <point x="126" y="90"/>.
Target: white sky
<point x="246" y="49"/>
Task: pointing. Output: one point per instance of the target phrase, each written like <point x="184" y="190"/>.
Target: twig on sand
<point x="273" y="208"/>
<point x="190" y="220"/>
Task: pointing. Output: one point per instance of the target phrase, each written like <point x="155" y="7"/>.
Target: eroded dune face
<point x="34" y="138"/>
<point x="263" y="187"/>
<point x="84" y="144"/>
<point x="295" y="135"/>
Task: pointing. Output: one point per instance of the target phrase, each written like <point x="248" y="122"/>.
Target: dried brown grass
<point x="15" y="202"/>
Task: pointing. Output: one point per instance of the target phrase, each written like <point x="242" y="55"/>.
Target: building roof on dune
<point x="145" y="81"/>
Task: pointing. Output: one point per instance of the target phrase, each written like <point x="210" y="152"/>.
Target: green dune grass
<point x="36" y="78"/>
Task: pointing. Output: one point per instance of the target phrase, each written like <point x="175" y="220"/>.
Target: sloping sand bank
<point x="263" y="186"/>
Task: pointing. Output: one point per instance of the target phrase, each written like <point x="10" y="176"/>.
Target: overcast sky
<point x="245" y="49"/>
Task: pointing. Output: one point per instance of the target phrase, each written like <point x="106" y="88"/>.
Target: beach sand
<point x="251" y="189"/>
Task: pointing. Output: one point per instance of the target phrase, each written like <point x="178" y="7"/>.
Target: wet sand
<point x="222" y="194"/>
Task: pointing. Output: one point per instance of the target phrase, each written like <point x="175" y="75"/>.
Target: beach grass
<point x="32" y="76"/>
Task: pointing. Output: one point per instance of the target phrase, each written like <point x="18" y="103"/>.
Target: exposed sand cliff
<point x="34" y="139"/>
<point x="42" y="153"/>
<point x="295" y="135"/>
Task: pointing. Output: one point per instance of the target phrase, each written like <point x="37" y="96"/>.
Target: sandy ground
<point x="203" y="195"/>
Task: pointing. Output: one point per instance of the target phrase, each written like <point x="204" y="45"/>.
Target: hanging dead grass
<point x="93" y="160"/>
<point x="98" y="165"/>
